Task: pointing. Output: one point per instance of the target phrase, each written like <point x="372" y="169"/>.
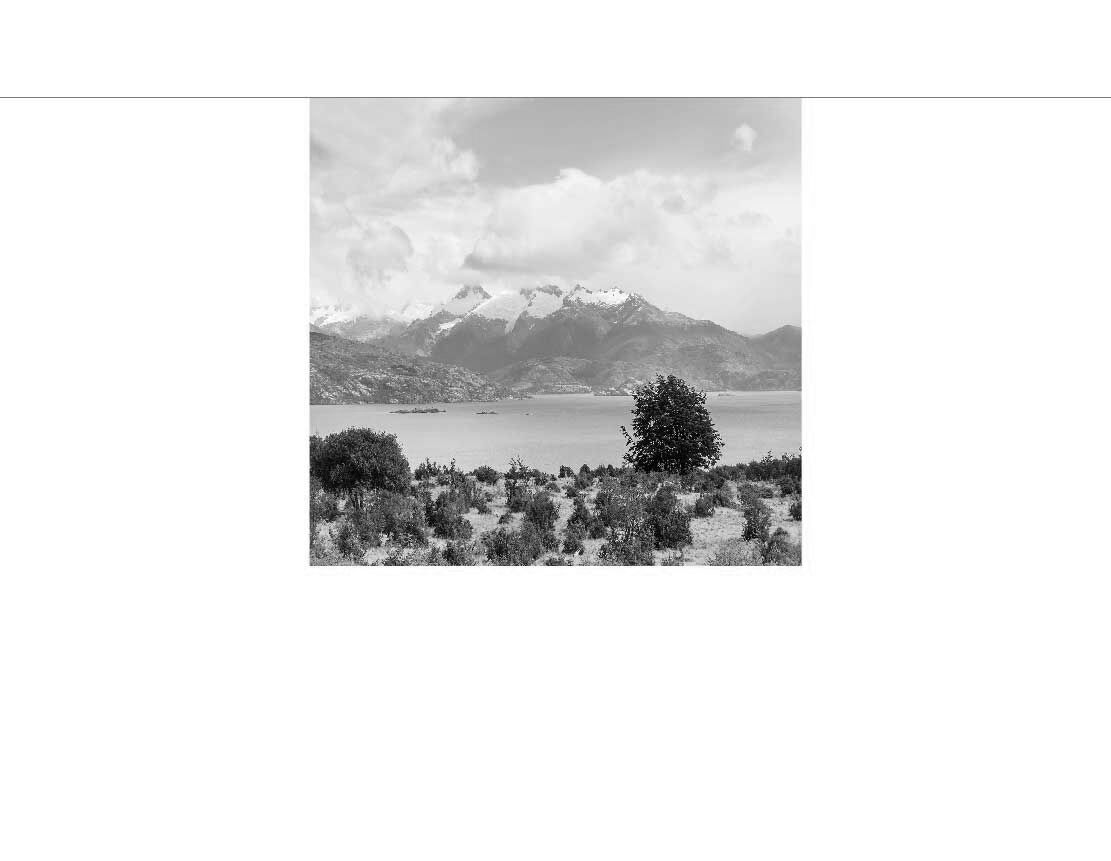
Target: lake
<point x="548" y="431"/>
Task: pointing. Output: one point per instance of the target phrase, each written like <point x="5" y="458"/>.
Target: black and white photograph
<point x="555" y="331"/>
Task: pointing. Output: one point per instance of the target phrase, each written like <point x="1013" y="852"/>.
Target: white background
<point x="932" y="684"/>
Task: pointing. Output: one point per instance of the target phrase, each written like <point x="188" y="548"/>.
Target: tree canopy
<point x="359" y="460"/>
<point x="672" y="429"/>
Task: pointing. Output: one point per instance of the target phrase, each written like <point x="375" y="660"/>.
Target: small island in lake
<point x="486" y="413"/>
<point x="420" y="410"/>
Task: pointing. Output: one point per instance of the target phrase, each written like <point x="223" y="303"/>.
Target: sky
<point x="693" y="203"/>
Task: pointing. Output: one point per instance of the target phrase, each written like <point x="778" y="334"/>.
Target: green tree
<point x="672" y="429"/>
<point x="357" y="461"/>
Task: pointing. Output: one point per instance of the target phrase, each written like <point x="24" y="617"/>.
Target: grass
<point x="718" y="535"/>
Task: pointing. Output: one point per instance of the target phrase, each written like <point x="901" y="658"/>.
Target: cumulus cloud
<point x="400" y="218"/>
<point x="745" y="137"/>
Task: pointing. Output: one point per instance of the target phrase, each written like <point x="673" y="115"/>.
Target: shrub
<point x="557" y="560"/>
<point x="486" y="474"/>
<point x="584" y="481"/>
<point x="506" y="517"/>
<point x="795" y="510"/>
<point x="445" y="516"/>
<point x="541" y="511"/>
<point x="780" y="550"/>
<point x="633" y="550"/>
<point x="757" y="521"/>
<point x="571" y="492"/>
<point x="735" y="551"/>
<point x="517" y="496"/>
<point x="428" y="469"/>
<point x="789" y="485"/>
<point x="347" y="541"/>
<point x="584" y="470"/>
<point x="481" y="505"/>
<point x="459" y="553"/>
<point x="573" y="538"/>
<point x="400" y="517"/>
<point x="673" y="559"/>
<point x="566" y="472"/>
<point x="672" y="429"/>
<point x="513" y="548"/>
<point x="722" y="496"/>
<point x="671" y="526"/>
<point x="703" y="506"/>
<point x="357" y="461"/>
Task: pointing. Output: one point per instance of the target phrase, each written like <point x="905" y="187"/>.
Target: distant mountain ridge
<point x="551" y="339"/>
<point x="348" y="372"/>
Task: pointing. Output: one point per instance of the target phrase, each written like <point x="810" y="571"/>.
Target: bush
<point x="459" y="553"/>
<point x="795" y="510"/>
<point x="571" y="492"/>
<point x="773" y="468"/>
<point x="481" y="505"/>
<point x="671" y="526"/>
<point x="445" y="516"/>
<point x="486" y="474"/>
<point x="566" y="472"/>
<point x="400" y="517"/>
<point x="573" y="538"/>
<point x="348" y="543"/>
<point x="633" y="550"/>
<point x="506" y="517"/>
<point x="357" y="461"/>
<point x="517" y="496"/>
<point x="541" y="511"/>
<point x="672" y="429"/>
<point x="557" y="560"/>
<point x="789" y="485"/>
<point x="780" y="550"/>
<point x="757" y="521"/>
<point x="428" y="469"/>
<point x="737" y="552"/>
<point x="513" y="548"/>
<point x="703" y="506"/>
<point x="584" y="481"/>
<point x="722" y="496"/>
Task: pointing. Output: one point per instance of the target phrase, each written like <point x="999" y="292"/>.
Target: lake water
<point x="548" y="431"/>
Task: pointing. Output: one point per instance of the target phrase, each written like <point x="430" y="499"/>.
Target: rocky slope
<point x="348" y="372"/>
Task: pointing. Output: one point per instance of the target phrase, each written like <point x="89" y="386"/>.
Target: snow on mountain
<point x="465" y="300"/>
<point x="504" y="306"/>
<point x="450" y="324"/>
<point x="543" y="301"/>
<point x="612" y="297"/>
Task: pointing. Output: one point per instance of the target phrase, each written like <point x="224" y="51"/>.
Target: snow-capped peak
<point x="465" y="300"/>
<point x="612" y="297"/>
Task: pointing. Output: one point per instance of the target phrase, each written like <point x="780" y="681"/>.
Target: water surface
<point x="553" y="430"/>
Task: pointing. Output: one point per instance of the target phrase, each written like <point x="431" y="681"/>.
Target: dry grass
<point x="720" y="532"/>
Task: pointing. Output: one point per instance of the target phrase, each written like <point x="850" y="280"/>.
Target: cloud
<point x="400" y="217"/>
<point x="745" y="137"/>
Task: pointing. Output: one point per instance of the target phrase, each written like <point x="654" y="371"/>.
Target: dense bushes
<point x="541" y="511"/>
<point x="522" y="547"/>
<point x="780" y="550"/>
<point x="795" y="510"/>
<point x="486" y="474"/>
<point x="445" y="515"/>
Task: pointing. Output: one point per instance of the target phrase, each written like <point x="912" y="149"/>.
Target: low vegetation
<point x="664" y="506"/>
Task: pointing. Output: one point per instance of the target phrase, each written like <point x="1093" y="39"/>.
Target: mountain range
<point x="551" y="339"/>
